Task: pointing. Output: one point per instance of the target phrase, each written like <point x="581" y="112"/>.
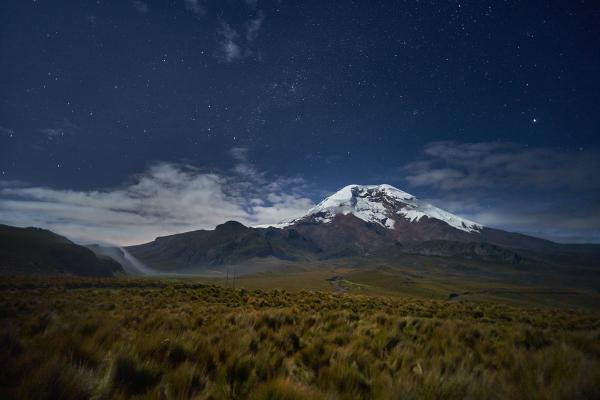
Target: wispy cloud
<point x="244" y="166"/>
<point x="454" y="166"/>
<point x="253" y="26"/>
<point x="52" y="132"/>
<point x="235" y="41"/>
<point x="167" y="198"/>
<point x="140" y="6"/>
<point x="235" y="46"/>
<point x="195" y="6"/>
<point x="562" y="223"/>
<point x="541" y="191"/>
<point x="230" y="47"/>
<point x="64" y="128"/>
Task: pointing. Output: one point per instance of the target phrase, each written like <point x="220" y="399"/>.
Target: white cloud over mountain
<point x="167" y="198"/>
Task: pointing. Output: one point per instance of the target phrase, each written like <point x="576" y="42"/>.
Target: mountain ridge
<point x="356" y="221"/>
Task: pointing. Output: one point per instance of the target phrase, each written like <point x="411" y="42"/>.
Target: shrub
<point x="129" y="375"/>
<point x="281" y="389"/>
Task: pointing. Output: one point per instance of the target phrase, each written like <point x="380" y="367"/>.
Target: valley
<point x="433" y="283"/>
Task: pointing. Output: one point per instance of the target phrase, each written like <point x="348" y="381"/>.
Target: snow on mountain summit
<point x="383" y="205"/>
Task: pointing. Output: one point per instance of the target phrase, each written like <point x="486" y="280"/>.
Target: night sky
<point x="124" y="120"/>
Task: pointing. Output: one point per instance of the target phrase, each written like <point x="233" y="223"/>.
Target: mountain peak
<point x="354" y="190"/>
<point x="230" y="226"/>
<point x="383" y="205"/>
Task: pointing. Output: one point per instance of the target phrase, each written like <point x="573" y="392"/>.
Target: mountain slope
<point x="355" y="221"/>
<point x="230" y="243"/>
<point x="406" y="219"/>
<point x="25" y="251"/>
<point x="130" y="264"/>
<point x="392" y="213"/>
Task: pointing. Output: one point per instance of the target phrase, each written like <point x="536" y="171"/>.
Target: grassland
<point x="171" y="339"/>
<point x="434" y="278"/>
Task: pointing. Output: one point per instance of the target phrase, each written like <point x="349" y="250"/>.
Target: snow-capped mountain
<point x="358" y="220"/>
<point x="380" y="204"/>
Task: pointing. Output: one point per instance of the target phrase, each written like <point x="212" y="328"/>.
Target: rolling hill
<point x="35" y="251"/>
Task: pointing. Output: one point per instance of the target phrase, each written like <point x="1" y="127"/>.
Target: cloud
<point x="63" y="129"/>
<point x="140" y="6"/>
<point x="235" y="47"/>
<point x="230" y="49"/>
<point x="52" y="132"/>
<point x="244" y="167"/>
<point x="569" y="223"/>
<point x="459" y="166"/>
<point x="11" y="183"/>
<point x="254" y="26"/>
<point x="540" y="191"/>
<point x="195" y="6"/>
<point x="165" y="199"/>
<point x="239" y="153"/>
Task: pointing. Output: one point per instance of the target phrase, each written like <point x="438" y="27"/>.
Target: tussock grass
<point x="127" y="338"/>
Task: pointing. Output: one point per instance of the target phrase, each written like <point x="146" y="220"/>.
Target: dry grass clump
<point x="127" y="338"/>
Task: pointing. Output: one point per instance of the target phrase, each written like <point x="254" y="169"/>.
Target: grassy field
<point x="433" y="278"/>
<point x="179" y="339"/>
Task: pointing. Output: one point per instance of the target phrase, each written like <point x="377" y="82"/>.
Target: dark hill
<point x="32" y="251"/>
<point x="228" y="244"/>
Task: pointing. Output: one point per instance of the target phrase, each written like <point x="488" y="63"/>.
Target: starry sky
<point x="124" y="120"/>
